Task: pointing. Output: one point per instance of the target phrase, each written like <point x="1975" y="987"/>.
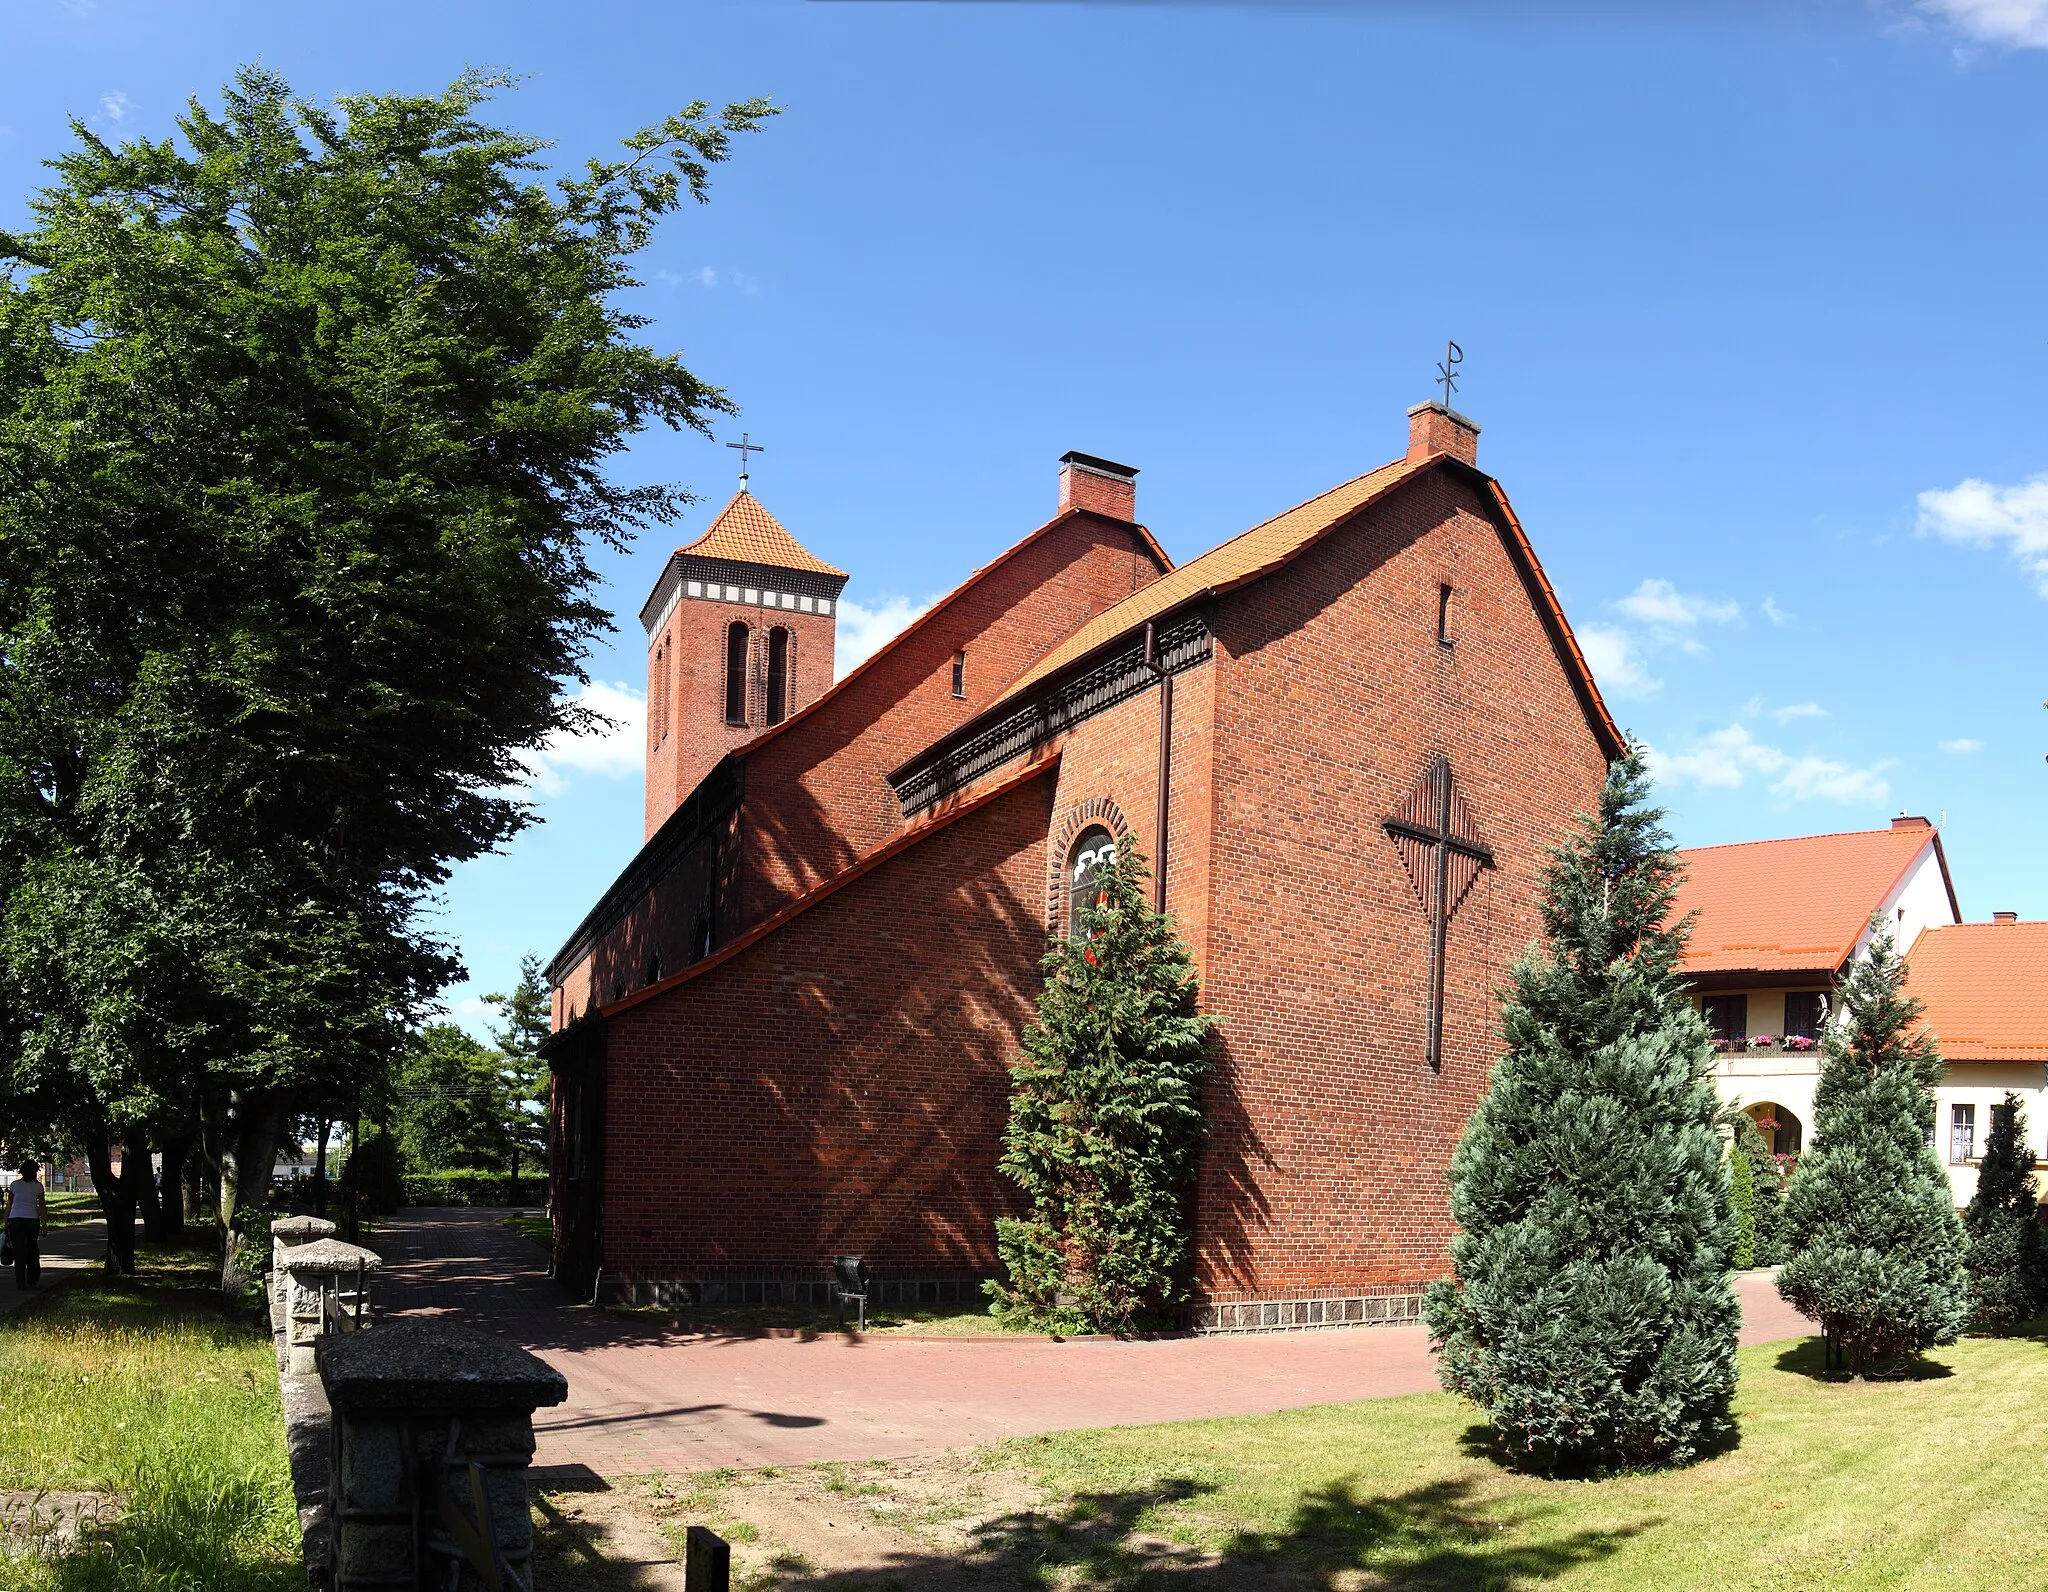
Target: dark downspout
<point x="1165" y="766"/>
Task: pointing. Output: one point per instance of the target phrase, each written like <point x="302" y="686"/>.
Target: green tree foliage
<point x="2007" y="1260"/>
<point x="450" y="1106"/>
<point x="524" y="1028"/>
<point x="1742" y="1206"/>
<point x="1877" y="1244"/>
<point x="1106" y="1121"/>
<point x="1767" y="1191"/>
<point x="1590" y="1313"/>
<point x="305" y="419"/>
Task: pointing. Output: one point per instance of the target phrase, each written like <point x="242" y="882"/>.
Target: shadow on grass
<point x="1481" y="1441"/>
<point x="1808" y="1358"/>
<point x="1434" y="1536"/>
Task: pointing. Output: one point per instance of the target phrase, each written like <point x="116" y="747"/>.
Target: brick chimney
<point x="2005" y="917"/>
<point x="1908" y="821"/>
<point x="1099" y="485"/>
<point x="1437" y="428"/>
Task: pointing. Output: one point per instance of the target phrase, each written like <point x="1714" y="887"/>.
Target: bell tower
<point x="740" y="630"/>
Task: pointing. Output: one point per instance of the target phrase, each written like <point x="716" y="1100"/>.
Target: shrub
<point x="1766" y="1192"/>
<point x="1742" y="1205"/>
<point x="2004" y="1229"/>
<point x="1877" y="1244"/>
<point x="470" y="1188"/>
<point x="1591" y="1313"/>
<point x="1105" y="1121"/>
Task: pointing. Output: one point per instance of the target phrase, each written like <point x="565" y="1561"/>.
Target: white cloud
<point x="116" y="105"/>
<point x="1961" y="745"/>
<point x="1799" y="710"/>
<point x="708" y="277"/>
<point x="1728" y="759"/>
<point x="610" y="751"/>
<point x="1663" y="605"/>
<point x="2022" y="24"/>
<point x="864" y="629"/>
<point x="1775" y="614"/>
<point x="1983" y="515"/>
<point x="1617" y="662"/>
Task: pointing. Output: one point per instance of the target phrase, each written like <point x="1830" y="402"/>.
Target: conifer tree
<point x="1766" y="1191"/>
<point x="2003" y="1225"/>
<point x="1877" y="1245"/>
<point x="1590" y="1313"/>
<point x="1742" y="1204"/>
<point x="1106" y="1120"/>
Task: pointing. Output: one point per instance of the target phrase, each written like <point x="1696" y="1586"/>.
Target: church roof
<point x="747" y="533"/>
<point x="1985" y="989"/>
<point x="1272" y="543"/>
<point x="1792" y="906"/>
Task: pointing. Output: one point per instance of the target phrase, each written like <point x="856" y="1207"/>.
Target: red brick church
<point x="1344" y="737"/>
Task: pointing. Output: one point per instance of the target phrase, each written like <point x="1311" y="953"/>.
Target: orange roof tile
<point x="1790" y="905"/>
<point x="748" y="534"/>
<point x="1235" y="562"/>
<point x="1265" y="547"/>
<point x="1985" y="987"/>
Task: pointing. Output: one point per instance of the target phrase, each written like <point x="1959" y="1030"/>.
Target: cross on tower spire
<point x="1447" y="369"/>
<point x="745" y="447"/>
<point x="1432" y="829"/>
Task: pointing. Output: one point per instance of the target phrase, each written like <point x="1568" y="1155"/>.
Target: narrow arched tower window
<point x="778" y="674"/>
<point x="1094" y="850"/>
<point x="736" y="636"/>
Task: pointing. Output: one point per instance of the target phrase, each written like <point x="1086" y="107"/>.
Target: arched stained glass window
<point x="1094" y="850"/>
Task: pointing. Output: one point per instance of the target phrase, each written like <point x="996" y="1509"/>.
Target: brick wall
<point x="838" y="1085"/>
<point x="816" y="796"/>
<point x="1330" y="1136"/>
<point x="687" y="732"/>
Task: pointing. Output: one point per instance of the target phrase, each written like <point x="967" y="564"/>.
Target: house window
<point x="778" y="674"/>
<point x="1806" y="1014"/>
<point x="1443" y="617"/>
<point x="736" y="639"/>
<point x="1962" y="1134"/>
<point x="1727" y="1016"/>
<point x="1094" y="850"/>
<point x="960" y="675"/>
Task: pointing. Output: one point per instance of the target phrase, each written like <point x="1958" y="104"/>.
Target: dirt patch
<point x="956" y="1520"/>
<point x="50" y="1522"/>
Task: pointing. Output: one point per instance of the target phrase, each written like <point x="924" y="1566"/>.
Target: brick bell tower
<point x="739" y="636"/>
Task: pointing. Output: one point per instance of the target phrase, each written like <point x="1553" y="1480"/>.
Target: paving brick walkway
<point x="643" y="1399"/>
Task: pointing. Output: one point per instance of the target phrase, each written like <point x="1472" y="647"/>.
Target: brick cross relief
<point x="1441" y="847"/>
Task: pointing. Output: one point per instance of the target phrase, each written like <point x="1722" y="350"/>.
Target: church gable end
<point x="1398" y="661"/>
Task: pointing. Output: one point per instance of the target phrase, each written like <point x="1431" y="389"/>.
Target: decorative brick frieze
<point x="1055" y="706"/>
<point x="1397" y="1306"/>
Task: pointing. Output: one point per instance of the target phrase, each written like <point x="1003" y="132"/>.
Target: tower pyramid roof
<point x="747" y="533"/>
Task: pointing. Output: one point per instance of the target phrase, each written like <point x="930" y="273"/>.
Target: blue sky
<point x="1753" y="299"/>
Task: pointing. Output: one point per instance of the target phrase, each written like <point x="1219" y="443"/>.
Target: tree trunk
<point x="326" y="1126"/>
<point x="252" y="1152"/>
<point x="140" y="1177"/>
<point x="170" y="1205"/>
<point x="117" y="1200"/>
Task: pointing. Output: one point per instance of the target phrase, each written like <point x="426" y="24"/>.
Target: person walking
<point x="27" y="1209"/>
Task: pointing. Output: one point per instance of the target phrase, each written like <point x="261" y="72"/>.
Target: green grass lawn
<point x="67" y="1209"/>
<point x="1938" y="1482"/>
<point x="536" y="1228"/>
<point x="139" y="1388"/>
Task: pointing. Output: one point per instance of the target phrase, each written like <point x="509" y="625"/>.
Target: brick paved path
<point x="642" y="1399"/>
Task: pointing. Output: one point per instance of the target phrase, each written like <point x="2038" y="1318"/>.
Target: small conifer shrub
<point x="1767" y="1191"/>
<point x="1590" y="1313"/>
<point x="2003" y="1224"/>
<point x="1877" y="1245"/>
<point x="1742" y="1205"/>
<point x="1106" y="1121"/>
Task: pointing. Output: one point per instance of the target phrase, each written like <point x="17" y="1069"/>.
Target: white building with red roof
<point x="1778" y="924"/>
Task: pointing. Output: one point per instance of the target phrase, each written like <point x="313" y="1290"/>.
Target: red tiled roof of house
<point x="1783" y="906"/>
<point x="1270" y="544"/>
<point x="748" y="534"/>
<point x="1985" y="989"/>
